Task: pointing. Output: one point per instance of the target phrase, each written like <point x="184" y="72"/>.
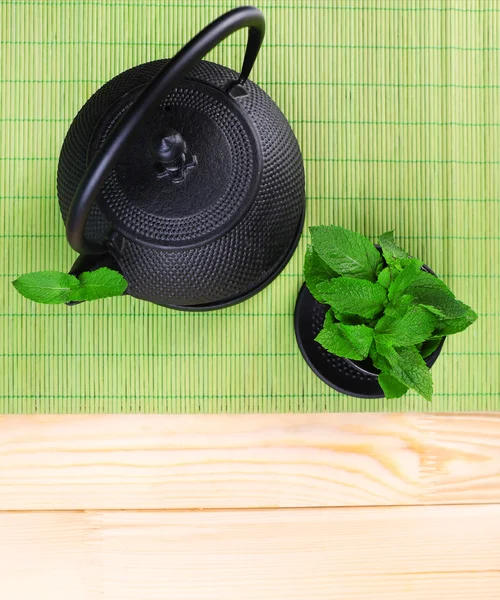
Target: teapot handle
<point x="167" y="78"/>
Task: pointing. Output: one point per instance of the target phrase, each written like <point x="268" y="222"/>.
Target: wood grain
<point x="381" y="553"/>
<point x="209" y="461"/>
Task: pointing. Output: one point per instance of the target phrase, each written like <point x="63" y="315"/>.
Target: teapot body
<point x="219" y="228"/>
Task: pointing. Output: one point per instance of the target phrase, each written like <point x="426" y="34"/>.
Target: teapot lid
<point x="191" y="171"/>
<point x="135" y="128"/>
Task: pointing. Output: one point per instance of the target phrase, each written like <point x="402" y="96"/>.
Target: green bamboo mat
<point x="397" y="109"/>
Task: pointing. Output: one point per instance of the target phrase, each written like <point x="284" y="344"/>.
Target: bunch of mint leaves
<point x="382" y="306"/>
<point x="52" y="287"/>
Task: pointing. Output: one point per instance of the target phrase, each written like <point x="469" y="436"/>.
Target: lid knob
<point x="172" y="157"/>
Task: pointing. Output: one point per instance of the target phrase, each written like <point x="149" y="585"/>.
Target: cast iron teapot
<point x="185" y="177"/>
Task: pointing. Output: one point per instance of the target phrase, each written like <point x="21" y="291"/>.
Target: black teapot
<point x="185" y="177"/>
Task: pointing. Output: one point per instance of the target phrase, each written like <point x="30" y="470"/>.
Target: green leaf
<point x="330" y="319"/>
<point x="381" y="363"/>
<point x="47" y="287"/>
<point x="316" y="271"/>
<point x="390" y="250"/>
<point x="457" y="324"/>
<point x="349" y="341"/>
<point x="429" y="290"/>
<point x="434" y="310"/>
<point x="429" y="346"/>
<point x="391" y="387"/>
<point x="398" y="308"/>
<point x="404" y="262"/>
<point x="354" y="296"/>
<point x="380" y="268"/>
<point x="384" y="278"/>
<point x="337" y="317"/>
<point x="404" y="278"/>
<point x="346" y="252"/>
<point x="101" y="283"/>
<point x="414" y="327"/>
<point x="348" y="319"/>
<point x="408" y="367"/>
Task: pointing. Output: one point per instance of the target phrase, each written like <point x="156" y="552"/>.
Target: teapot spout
<point x="92" y="262"/>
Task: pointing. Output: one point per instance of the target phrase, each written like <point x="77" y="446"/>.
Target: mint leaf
<point x="399" y="307"/>
<point x="316" y="271"/>
<point x="391" y="387"/>
<point x="349" y="341"/>
<point x="348" y="319"/>
<point x="384" y="278"/>
<point x="101" y="283"/>
<point x="429" y="346"/>
<point x="404" y="262"/>
<point x="346" y="252"/>
<point x="353" y="296"/>
<point x="47" y="287"/>
<point x="414" y="327"/>
<point x="390" y="250"/>
<point x="408" y="367"/>
<point x="52" y="287"/>
<point x="429" y="290"/>
<point x="381" y="363"/>
<point x="457" y="324"/>
<point x="329" y="319"/>
<point x="404" y="278"/>
<point x="434" y="310"/>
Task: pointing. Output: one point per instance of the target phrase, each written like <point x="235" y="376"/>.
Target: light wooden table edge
<point x="165" y="462"/>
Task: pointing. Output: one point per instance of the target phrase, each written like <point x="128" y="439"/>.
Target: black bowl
<point x="354" y="378"/>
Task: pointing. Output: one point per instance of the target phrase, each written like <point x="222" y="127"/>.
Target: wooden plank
<point x="384" y="553"/>
<point x="239" y="461"/>
<point x="461" y="462"/>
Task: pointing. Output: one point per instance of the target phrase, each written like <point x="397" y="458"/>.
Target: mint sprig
<point x="52" y="287"/>
<point x="383" y="305"/>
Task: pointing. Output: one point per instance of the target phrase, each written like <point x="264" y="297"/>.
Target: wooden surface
<point x="294" y="506"/>
<point x="255" y="461"/>
<point x="373" y="553"/>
